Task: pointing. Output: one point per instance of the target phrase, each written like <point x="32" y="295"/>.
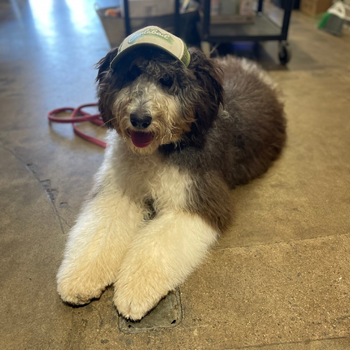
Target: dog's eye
<point x="134" y="73"/>
<point x="167" y="80"/>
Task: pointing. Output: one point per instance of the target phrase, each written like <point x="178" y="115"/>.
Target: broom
<point x="333" y="20"/>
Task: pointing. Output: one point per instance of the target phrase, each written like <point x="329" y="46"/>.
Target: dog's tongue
<point x="141" y="139"/>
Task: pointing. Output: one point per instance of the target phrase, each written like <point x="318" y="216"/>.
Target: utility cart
<point x="263" y="29"/>
<point x="211" y="32"/>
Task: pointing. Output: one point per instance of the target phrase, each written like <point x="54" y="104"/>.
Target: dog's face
<point x="152" y="100"/>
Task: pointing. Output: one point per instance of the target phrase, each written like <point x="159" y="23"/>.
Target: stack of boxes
<point x="313" y="7"/>
<point x="232" y="11"/>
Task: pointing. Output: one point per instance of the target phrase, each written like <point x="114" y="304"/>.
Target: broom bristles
<point x="333" y="20"/>
<point x="324" y="20"/>
<point x="334" y="25"/>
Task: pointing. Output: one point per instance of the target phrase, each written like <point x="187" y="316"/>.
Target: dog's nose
<point x="140" y="121"/>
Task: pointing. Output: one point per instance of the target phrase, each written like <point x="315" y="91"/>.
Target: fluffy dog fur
<point x="155" y="211"/>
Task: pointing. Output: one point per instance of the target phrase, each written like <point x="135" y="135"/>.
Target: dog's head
<point x="153" y="100"/>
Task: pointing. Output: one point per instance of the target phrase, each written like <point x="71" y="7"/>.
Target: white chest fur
<point x="146" y="177"/>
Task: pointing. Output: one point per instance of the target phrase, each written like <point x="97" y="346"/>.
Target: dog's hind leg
<point x="161" y="256"/>
<point x="98" y="241"/>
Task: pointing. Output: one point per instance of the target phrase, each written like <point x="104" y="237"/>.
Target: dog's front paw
<point x="77" y="285"/>
<point x="76" y="293"/>
<point x="136" y="294"/>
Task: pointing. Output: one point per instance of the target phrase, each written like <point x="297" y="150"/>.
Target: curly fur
<point x="155" y="211"/>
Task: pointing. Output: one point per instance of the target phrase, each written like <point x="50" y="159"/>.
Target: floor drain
<point x="167" y="313"/>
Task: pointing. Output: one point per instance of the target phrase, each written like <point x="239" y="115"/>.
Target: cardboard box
<point x="149" y="8"/>
<point x="313" y="7"/>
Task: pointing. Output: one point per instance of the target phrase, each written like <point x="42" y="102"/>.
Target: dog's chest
<point x="154" y="182"/>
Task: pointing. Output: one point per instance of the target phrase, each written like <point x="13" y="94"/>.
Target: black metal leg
<point x="177" y="17"/>
<point x="127" y="18"/>
<point x="286" y="18"/>
<point x="206" y="20"/>
<point x="260" y="5"/>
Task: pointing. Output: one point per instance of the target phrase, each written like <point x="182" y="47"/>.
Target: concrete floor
<point x="280" y="277"/>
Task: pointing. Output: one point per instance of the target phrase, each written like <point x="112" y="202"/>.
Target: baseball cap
<point x="157" y="37"/>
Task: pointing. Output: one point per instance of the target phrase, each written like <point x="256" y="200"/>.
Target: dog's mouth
<point x="141" y="139"/>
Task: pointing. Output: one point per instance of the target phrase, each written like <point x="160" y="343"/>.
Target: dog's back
<point x="256" y="126"/>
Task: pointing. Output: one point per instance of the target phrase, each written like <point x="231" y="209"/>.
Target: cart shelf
<point x="262" y="29"/>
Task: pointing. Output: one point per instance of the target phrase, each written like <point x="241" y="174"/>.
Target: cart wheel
<point x="284" y="52"/>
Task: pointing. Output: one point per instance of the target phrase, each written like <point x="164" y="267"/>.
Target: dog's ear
<point x="103" y="67"/>
<point x="209" y="74"/>
<point x="103" y="64"/>
<point x="209" y="92"/>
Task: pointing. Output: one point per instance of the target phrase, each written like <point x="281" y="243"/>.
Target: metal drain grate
<point x="167" y="313"/>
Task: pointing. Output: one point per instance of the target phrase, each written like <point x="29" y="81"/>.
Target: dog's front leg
<point x="97" y="243"/>
<point x="162" y="255"/>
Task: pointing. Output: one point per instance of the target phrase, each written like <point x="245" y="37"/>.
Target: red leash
<point x="78" y="116"/>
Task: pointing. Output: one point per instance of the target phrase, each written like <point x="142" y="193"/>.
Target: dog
<point x="181" y="137"/>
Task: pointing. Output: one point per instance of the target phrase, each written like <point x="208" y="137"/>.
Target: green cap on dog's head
<point x="157" y="37"/>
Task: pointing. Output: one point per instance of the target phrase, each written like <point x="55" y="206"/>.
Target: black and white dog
<point x="181" y="138"/>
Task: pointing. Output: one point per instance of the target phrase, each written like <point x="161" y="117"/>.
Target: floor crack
<point x="44" y="184"/>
